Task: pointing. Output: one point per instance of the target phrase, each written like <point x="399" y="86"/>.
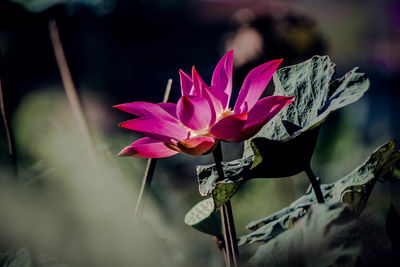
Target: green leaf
<point x="285" y="145"/>
<point x="353" y="189"/>
<point x="314" y="241"/>
<point x="203" y="217"/>
<point x="222" y="190"/>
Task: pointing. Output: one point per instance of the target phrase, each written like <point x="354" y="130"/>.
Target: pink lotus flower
<point x="202" y="115"/>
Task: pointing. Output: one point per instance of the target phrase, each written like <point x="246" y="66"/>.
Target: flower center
<point x="206" y="132"/>
<point x="197" y="133"/>
<point x="227" y="112"/>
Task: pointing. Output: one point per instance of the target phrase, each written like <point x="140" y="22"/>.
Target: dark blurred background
<point x="126" y="50"/>
<point x="122" y="51"/>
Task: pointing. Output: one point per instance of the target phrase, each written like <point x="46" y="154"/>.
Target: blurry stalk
<point x="315" y="184"/>
<point x="228" y="225"/>
<point x="70" y="87"/>
<point x="10" y="136"/>
<point x="149" y="171"/>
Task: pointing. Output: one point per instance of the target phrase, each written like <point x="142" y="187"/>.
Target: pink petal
<point x="230" y="127"/>
<point x="147" y="148"/>
<point x="200" y="89"/>
<point x="170" y="108"/>
<point x="247" y="133"/>
<point x="198" y="83"/>
<point x="145" y="109"/>
<point x="186" y="83"/>
<point x="197" y="146"/>
<point x="222" y="79"/>
<point x="254" y="85"/>
<point x="215" y="105"/>
<point x="157" y="128"/>
<point x="262" y="112"/>
<point x="194" y="112"/>
<point x="265" y="109"/>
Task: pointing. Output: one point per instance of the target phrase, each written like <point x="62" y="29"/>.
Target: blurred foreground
<point x="70" y="206"/>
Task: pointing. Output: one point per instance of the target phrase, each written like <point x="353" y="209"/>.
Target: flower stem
<point x="315" y="184"/>
<point x="149" y="171"/>
<point x="10" y="135"/>
<point x="69" y="87"/>
<point x="147" y="178"/>
<point x="228" y="224"/>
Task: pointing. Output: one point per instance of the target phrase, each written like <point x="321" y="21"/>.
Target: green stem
<point x="228" y="224"/>
<point x="315" y="184"/>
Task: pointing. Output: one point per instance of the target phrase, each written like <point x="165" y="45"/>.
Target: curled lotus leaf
<point x="285" y="145"/>
<point x="222" y="190"/>
<point x="314" y="240"/>
<point x="203" y="218"/>
<point x="353" y="189"/>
